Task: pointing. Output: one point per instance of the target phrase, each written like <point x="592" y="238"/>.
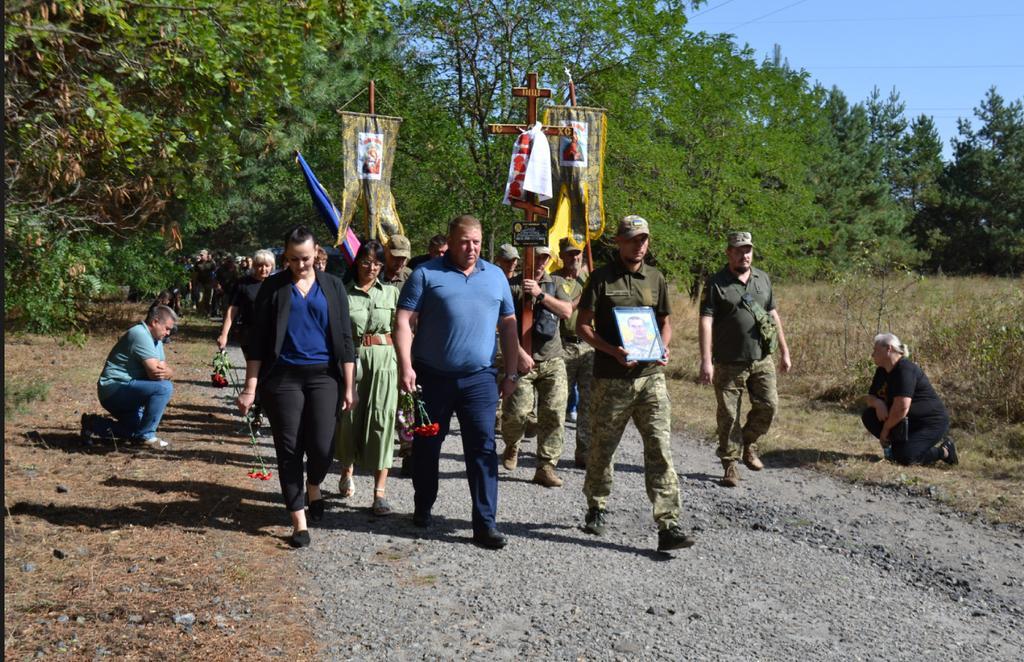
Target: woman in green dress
<point x="366" y="434"/>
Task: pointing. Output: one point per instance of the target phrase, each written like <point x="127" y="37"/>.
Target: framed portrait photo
<point x="638" y="329"/>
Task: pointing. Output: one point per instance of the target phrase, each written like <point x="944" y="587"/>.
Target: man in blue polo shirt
<point x="454" y="302"/>
<point x="135" y="385"/>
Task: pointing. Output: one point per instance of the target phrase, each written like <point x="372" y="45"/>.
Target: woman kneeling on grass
<point x="904" y="412"/>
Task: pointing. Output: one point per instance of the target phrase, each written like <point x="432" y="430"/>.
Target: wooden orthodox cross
<point x="530" y="208"/>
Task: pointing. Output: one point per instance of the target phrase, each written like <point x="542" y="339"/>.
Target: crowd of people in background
<point x="328" y="355"/>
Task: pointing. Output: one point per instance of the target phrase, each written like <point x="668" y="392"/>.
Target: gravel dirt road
<point x="790" y="565"/>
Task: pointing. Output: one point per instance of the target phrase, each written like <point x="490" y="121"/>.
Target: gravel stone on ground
<point x="790" y="565"/>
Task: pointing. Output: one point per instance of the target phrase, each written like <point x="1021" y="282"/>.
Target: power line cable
<point x="709" y="9"/>
<point x="771" y="13"/>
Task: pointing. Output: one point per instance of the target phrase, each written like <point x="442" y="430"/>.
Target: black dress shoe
<point x="316" y="510"/>
<point x="490" y="539"/>
<point x="299" y="539"/>
<point x="422" y="520"/>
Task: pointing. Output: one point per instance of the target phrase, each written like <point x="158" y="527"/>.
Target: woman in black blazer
<point x="302" y="359"/>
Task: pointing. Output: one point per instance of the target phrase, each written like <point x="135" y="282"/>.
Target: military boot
<point x="510" y="458"/>
<point x="732" y="475"/>
<point x="751" y="459"/>
<point x="546" y="476"/>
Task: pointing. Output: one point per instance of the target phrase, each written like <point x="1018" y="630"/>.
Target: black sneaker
<point x="489" y="539"/>
<point x="951" y="456"/>
<point x="86" y="432"/>
<point x="673" y="538"/>
<point x="299" y="539"/>
<point x="421" y="520"/>
<point x="597" y="522"/>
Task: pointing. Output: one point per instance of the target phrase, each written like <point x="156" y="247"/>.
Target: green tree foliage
<point x="132" y="126"/>
<point x="701" y="138"/>
<point x="861" y="169"/>
<point x="703" y="141"/>
<point x="470" y="55"/>
<point x="979" y="225"/>
<point x="125" y="117"/>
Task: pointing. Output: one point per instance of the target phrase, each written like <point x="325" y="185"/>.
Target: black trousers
<point x="919" y="444"/>
<point x="302" y="403"/>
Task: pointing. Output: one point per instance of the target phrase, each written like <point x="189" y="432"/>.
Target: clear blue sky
<point x="940" y="55"/>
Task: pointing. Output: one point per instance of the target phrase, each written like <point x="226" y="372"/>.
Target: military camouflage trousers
<point x="613" y="402"/>
<point x="547" y="382"/>
<point x="757" y="378"/>
<point x="579" y="370"/>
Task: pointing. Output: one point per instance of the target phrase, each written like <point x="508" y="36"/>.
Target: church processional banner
<point x="577" y="170"/>
<point x="368" y="154"/>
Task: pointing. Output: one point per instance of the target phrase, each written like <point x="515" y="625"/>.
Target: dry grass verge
<point x="950" y="325"/>
<point x="133" y="552"/>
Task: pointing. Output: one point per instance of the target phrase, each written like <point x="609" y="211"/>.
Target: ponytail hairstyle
<point x="891" y="341"/>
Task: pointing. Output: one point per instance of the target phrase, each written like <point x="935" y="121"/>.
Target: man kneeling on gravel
<point x="135" y="384"/>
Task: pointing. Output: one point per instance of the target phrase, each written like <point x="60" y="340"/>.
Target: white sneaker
<point x="572" y="416"/>
<point x="157" y="442"/>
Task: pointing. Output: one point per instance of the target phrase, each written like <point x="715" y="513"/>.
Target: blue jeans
<point x="137" y="407"/>
<point x="574" y="398"/>
<point x="474" y="399"/>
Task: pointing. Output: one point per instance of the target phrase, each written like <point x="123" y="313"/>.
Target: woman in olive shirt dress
<point x="366" y="435"/>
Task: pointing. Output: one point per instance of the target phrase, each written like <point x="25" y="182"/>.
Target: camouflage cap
<point x="567" y="245"/>
<point x="737" y="239"/>
<point x="542" y="250"/>
<point x="507" y="252"/>
<point x="631" y="226"/>
<point x="399" y="246"/>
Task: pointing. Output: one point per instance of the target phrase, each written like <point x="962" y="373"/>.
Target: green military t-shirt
<point x="734" y="334"/>
<point x="398" y="280"/>
<point x="126" y="360"/>
<point x="574" y="288"/>
<point x="613" y="286"/>
<point x="544" y="349"/>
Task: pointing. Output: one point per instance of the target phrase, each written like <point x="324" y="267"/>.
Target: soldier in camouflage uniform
<point x="628" y="389"/>
<point x="579" y="356"/>
<point x="737" y="318"/>
<point x="507" y="259"/>
<point x="551" y="303"/>
<point x="396" y="256"/>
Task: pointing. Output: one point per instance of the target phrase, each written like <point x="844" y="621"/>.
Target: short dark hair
<point x="437" y="241"/>
<point x="300" y="234"/>
<point x="371" y="248"/>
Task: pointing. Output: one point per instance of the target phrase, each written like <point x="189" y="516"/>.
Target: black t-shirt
<point x="245" y="298"/>
<point x="909" y="381"/>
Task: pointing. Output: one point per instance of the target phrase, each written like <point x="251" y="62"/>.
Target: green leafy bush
<point x="51" y="276"/>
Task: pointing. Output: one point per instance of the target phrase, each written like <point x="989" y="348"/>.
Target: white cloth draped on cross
<point x="530" y="168"/>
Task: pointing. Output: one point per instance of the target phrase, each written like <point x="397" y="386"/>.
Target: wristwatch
<point x="513" y="376"/>
<point x="540" y="297"/>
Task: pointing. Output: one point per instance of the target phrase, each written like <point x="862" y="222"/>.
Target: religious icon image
<point x="638" y="329"/>
<point x="371" y="149"/>
<point x="573" y="151"/>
